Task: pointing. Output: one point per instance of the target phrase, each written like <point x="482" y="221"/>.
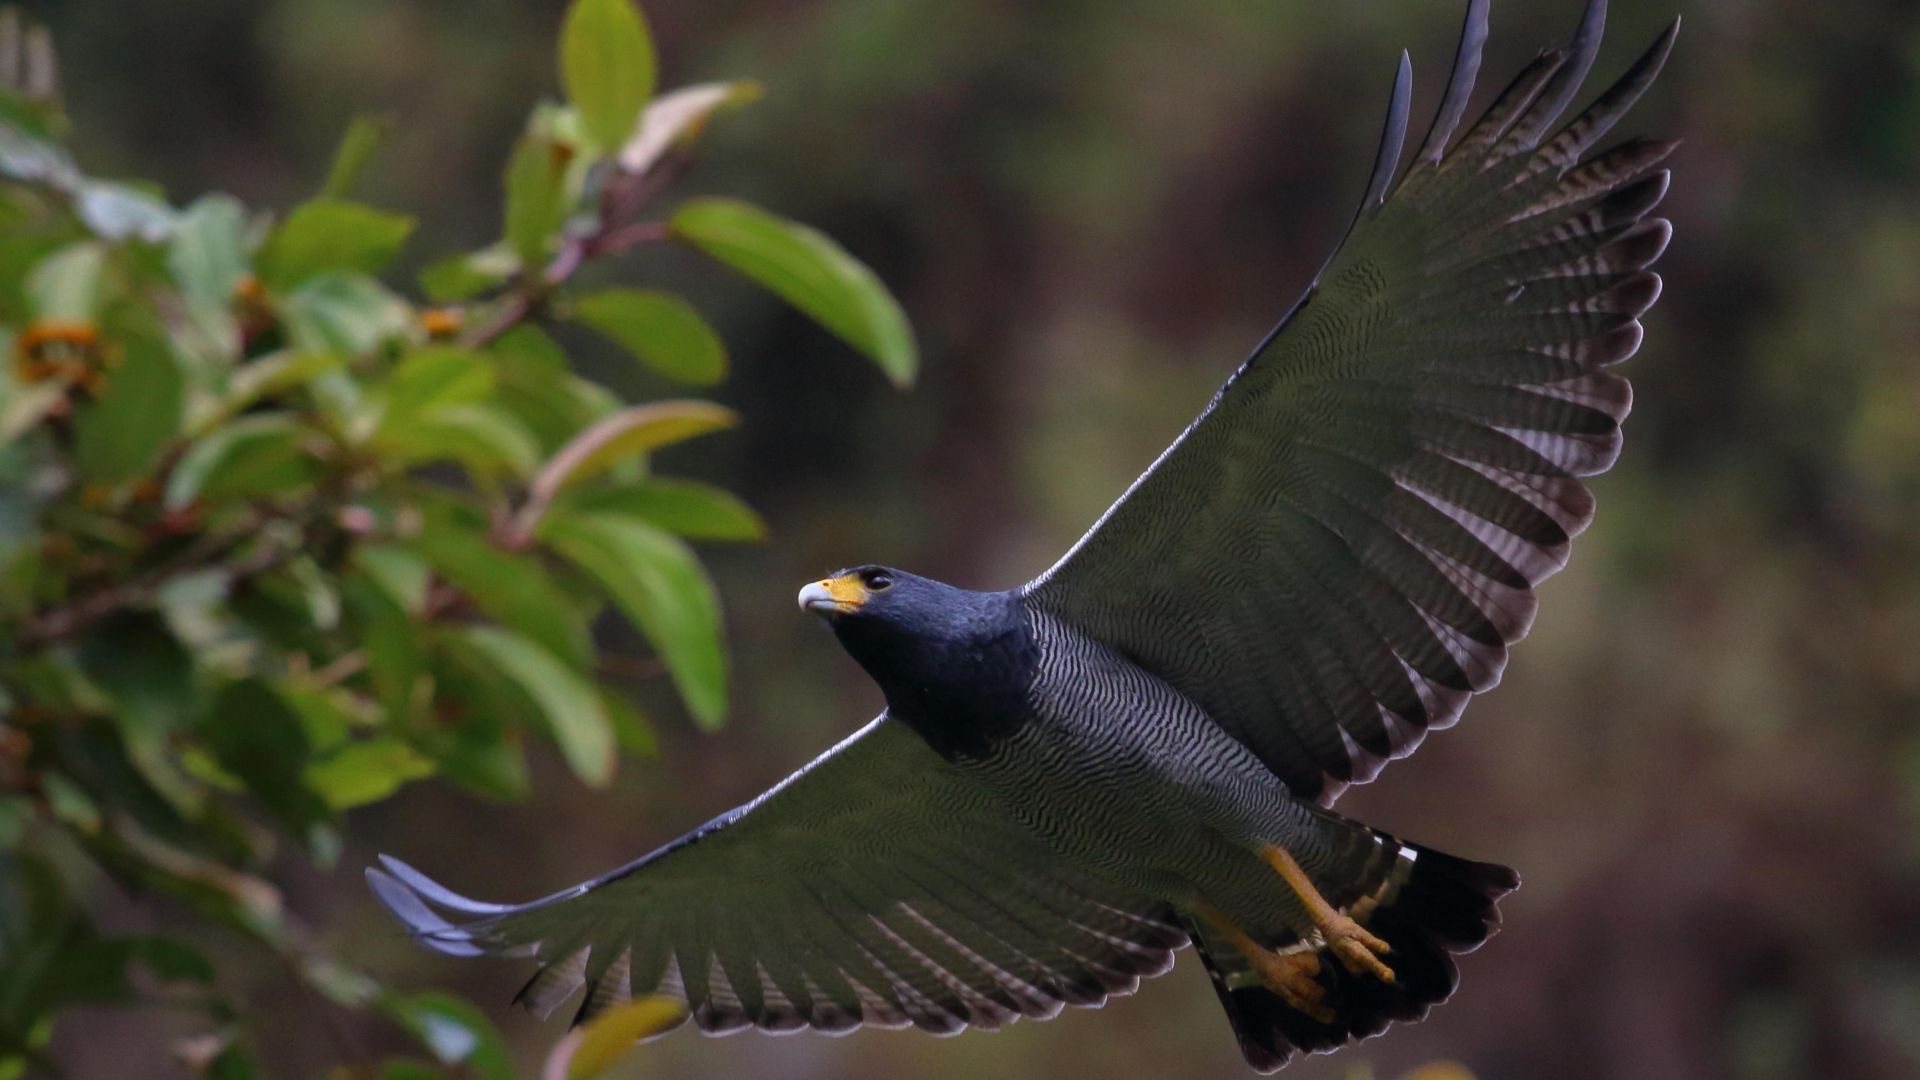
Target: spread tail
<point x="1428" y="906"/>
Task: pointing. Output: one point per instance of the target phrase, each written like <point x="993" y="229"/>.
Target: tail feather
<point x="1433" y="907"/>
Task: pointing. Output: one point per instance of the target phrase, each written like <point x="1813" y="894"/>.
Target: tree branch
<point x="621" y="200"/>
<point x="60" y="623"/>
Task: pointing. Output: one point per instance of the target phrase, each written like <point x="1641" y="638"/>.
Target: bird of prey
<point x="1138" y="749"/>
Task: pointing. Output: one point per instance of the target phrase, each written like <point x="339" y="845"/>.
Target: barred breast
<point x="1124" y="775"/>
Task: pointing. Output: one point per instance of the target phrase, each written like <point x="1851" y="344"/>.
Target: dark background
<point x="1704" y="761"/>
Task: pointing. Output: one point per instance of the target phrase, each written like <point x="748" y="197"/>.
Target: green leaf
<point x="455" y="1033"/>
<point x="70" y="802"/>
<point x="568" y="702"/>
<point x="142" y="669"/>
<point x="345" y="313"/>
<point x="383" y="625"/>
<point x="691" y="509"/>
<point x="16" y="813"/>
<point x="607" y="66"/>
<point x="511" y="588"/>
<point x="66" y="284"/>
<point x="808" y="270"/>
<point x="536" y="198"/>
<point x="538" y="385"/>
<point x="207" y="259"/>
<point x="461" y="277"/>
<point x="328" y="714"/>
<point x="483" y="437"/>
<point x="148" y="677"/>
<point x="629" y="433"/>
<point x="479" y="756"/>
<point x="331" y="235"/>
<point x="257" y="737"/>
<point x="659" y="585"/>
<point x="24" y="157"/>
<point x="366" y="772"/>
<point x="662" y="330"/>
<point x="118" y="212"/>
<point x="357" y="147"/>
<point x="119" y="436"/>
<point x="631" y="729"/>
<point x="678" y="117"/>
<point x="261" y="377"/>
<point x="262" y="454"/>
<point x="432" y="377"/>
<point x="399" y="573"/>
<point x="172" y="961"/>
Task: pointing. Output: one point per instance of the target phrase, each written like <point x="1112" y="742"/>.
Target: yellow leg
<point x="1359" y="950"/>
<point x="1292" y="975"/>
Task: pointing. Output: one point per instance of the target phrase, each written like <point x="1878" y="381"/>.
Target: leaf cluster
<point x="279" y="536"/>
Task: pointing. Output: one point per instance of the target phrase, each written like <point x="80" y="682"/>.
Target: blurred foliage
<point x="276" y="539"/>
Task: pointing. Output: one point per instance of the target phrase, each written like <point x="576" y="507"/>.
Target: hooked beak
<point x="833" y="596"/>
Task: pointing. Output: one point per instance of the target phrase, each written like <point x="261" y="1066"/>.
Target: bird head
<point x="914" y="635"/>
<point x="873" y="595"/>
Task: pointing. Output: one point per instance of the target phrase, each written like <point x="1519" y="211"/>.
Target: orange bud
<point x="442" y="323"/>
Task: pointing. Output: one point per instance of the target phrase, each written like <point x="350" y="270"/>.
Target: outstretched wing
<point x="875" y="886"/>
<point x="1339" y="551"/>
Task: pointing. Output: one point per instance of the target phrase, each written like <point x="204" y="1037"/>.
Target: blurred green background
<point x="1704" y="762"/>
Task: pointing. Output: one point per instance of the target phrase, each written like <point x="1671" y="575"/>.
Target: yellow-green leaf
<point x="138" y="412"/>
<point x="357" y="147"/>
<point x="607" y="66"/>
<point x="616" y="438"/>
<point x="660" y="586"/>
<point x="684" y="507"/>
<point x="808" y="270"/>
<point x="592" y="1050"/>
<point x="435" y="376"/>
<point x="250" y="457"/>
<point x="329" y="234"/>
<point x="661" y="330"/>
<point x="572" y="709"/>
<point x="536" y="197"/>
<point x="485" y="438"/>
<point x="66" y="285"/>
<point x="509" y="588"/>
<point x="461" y="277"/>
<point x="366" y="772"/>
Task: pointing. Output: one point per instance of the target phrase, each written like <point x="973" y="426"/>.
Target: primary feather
<point x="1340" y="550"/>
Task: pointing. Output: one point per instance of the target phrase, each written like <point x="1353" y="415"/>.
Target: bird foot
<point x="1359" y="950"/>
<point x="1295" y="977"/>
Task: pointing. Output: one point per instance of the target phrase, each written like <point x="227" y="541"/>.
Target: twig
<point x="52" y="627"/>
<point x="623" y="197"/>
<point x="339" y="670"/>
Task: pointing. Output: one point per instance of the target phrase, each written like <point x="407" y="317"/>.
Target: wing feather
<point x="876" y="886"/>
<point x="1342" y="548"/>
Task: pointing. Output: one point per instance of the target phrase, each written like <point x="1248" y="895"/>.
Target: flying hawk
<point x="1138" y="749"/>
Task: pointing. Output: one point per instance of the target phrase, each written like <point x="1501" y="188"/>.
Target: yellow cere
<point x="847" y="591"/>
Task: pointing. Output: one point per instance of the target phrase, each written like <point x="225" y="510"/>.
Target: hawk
<point x="1138" y="750"/>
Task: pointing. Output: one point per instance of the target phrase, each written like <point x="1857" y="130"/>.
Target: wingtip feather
<point x="1460" y="82"/>
<point x="435" y="892"/>
<point x="421" y="921"/>
<point x="1392" y="136"/>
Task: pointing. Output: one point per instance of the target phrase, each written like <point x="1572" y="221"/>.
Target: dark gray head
<point x="936" y="650"/>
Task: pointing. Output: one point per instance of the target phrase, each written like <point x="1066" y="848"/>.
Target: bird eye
<point x="876" y="580"/>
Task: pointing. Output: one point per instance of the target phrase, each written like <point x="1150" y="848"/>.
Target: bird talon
<point x="1295" y="977"/>
<point x="1359" y="950"/>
